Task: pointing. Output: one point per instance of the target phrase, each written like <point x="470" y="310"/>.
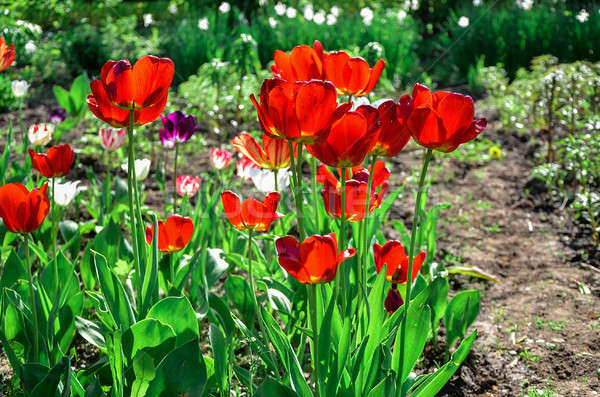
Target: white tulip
<point x="40" y="134"/>
<point x="142" y="168"/>
<point x="264" y="180"/>
<point x="19" y="88"/>
<point x="225" y="7"/>
<point x="64" y="193"/>
<point x="463" y="21"/>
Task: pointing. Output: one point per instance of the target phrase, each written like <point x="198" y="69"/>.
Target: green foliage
<point x="74" y="100"/>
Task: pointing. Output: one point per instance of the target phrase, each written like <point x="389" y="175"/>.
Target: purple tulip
<point x="178" y="128"/>
<point x="58" y="115"/>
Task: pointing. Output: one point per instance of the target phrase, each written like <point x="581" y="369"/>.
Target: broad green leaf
<point x="219" y="348"/>
<point x="63" y="98"/>
<point x="150" y="336"/>
<point x="238" y="291"/>
<point x="460" y="314"/>
<point x="13" y="270"/>
<point x="5" y="156"/>
<point x="49" y="385"/>
<point x="472" y="271"/>
<point x="177" y="312"/>
<point x="90" y="331"/>
<point x="143" y="368"/>
<point x="438" y="300"/>
<point x="272" y="388"/>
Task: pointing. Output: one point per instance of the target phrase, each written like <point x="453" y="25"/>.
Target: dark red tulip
<point x="442" y="120"/>
<point x="302" y="64"/>
<point x="392" y="135"/>
<point x="56" y="162"/>
<point x="143" y="87"/>
<point x="23" y="211"/>
<point x="251" y="215"/>
<point x="351" y="76"/>
<point x="313" y="261"/>
<point x="173" y="234"/>
<point x="393" y="300"/>
<point x="7" y="54"/>
<point x="302" y="112"/>
<point x="393" y="255"/>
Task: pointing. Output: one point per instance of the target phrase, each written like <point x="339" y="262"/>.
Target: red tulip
<point x="251" y="215"/>
<point x="302" y="112"/>
<point x="173" y="235"/>
<point x="380" y="176"/>
<point x="7" y="54"/>
<point x="21" y="210"/>
<point x="144" y="87"/>
<point x="220" y="158"/>
<point x="393" y="300"/>
<point x="273" y="155"/>
<point x="351" y="76"/>
<point x="302" y="64"/>
<point x="350" y="139"/>
<point x="55" y="163"/>
<point x="393" y="134"/>
<point x="442" y="120"/>
<point x="314" y="261"/>
<point x="392" y="254"/>
<point x="187" y="185"/>
<point x="243" y="166"/>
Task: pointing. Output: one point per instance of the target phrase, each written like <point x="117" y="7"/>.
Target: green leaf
<point x="272" y="388"/>
<point x="438" y="300"/>
<point x="90" y="331"/>
<point x="148" y="335"/>
<point x="472" y="271"/>
<point x="143" y="368"/>
<point x="215" y="265"/>
<point x="219" y="348"/>
<point x="13" y="270"/>
<point x="177" y="312"/>
<point x="5" y="156"/>
<point x="65" y="331"/>
<point x="460" y="314"/>
<point x="150" y="275"/>
<point x="63" y="98"/>
<point x="417" y="333"/>
<point x="49" y="385"/>
<point x="79" y="92"/>
<point x="238" y="291"/>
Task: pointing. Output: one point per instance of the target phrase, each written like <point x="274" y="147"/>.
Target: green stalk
<point x="313" y="165"/>
<point x="364" y="257"/>
<point x="53" y="212"/>
<point x="312" y="297"/>
<point x="34" y="312"/>
<point x="175" y="178"/>
<point x="108" y="184"/>
<point x="342" y="244"/>
<point x="131" y="191"/>
<point x="411" y="252"/>
<point x="275" y="171"/>
<point x="297" y="189"/>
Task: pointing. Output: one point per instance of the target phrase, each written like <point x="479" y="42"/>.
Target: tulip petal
<point x="152" y="76"/>
<point x="233" y="208"/>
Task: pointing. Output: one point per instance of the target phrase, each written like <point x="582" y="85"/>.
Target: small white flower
<point x="19" y="88"/>
<point x="40" y="134"/>
<point x="331" y="19"/>
<point x="476" y="3"/>
<point x="173" y="8"/>
<point x="225" y="7"/>
<point x="148" y="20"/>
<point x="291" y="12"/>
<point x="142" y="168"/>
<point x="335" y="11"/>
<point x="30" y="47"/>
<point x="264" y="180"/>
<point x="280" y="8"/>
<point x="309" y="12"/>
<point x="524" y="4"/>
<point x="319" y="18"/>
<point x="65" y="192"/>
<point x="582" y="16"/>
<point x="367" y="15"/>
<point x="401" y="15"/>
<point x="463" y="21"/>
<point x="262" y="2"/>
<point x="272" y="22"/>
<point x="203" y="23"/>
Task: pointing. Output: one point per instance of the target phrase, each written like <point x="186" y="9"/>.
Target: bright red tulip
<point x="380" y="176"/>
<point x="274" y="154"/>
<point x="442" y="120"/>
<point x="7" y="54"/>
<point x="350" y="139"/>
<point x="144" y="87"/>
<point x="173" y="234"/>
<point x="393" y="255"/>
<point x="251" y="215"/>
<point x="393" y="300"/>
<point x="351" y="76"/>
<point x="187" y="185"/>
<point x="392" y="135"/>
<point x="21" y="210"/>
<point x="314" y="261"/>
<point x="302" y="112"/>
<point x="55" y="163"/>
<point x="302" y="64"/>
<point x="220" y="158"/>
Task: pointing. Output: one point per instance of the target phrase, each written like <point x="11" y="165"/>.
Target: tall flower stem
<point x="313" y="166"/>
<point x="54" y="220"/>
<point x="297" y="188"/>
<point x="175" y="178"/>
<point x="342" y="243"/>
<point x="312" y="298"/>
<point x="362" y="263"/>
<point x="34" y="311"/>
<point x="411" y="252"/>
<point x="275" y="172"/>
<point x="107" y="188"/>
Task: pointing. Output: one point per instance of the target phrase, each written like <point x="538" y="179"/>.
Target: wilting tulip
<point x="58" y="115"/>
<point x="351" y="76"/>
<point x="144" y="88"/>
<point x="112" y="138"/>
<point x="173" y="234"/>
<point x="393" y="255"/>
<point x="220" y="158"/>
<point x="7" y="54"/>
<point x="264" y="180"/>
<point x="64" y="193"/>
<point x="350" y="139"/>
<point x="392" y="135"/>
<point x="178" y="128"/>
<point x="313" y="261"/>
<point x="274" y="153"/>
<point x="142" y="168"/>
<point x="442" y="120"/>
<point x="393" y="300"/>
<point x="243" y="167"/>
<point x="23" y="211"/>
<point x="302" y="64"/>
<point x="187" y="185"/>
<point x="40" y="134"/>
<point x="302" y="112"/>
<point x="19" y="88"/>
<point x="251" y="215"/>
<point x="55" y="163"/>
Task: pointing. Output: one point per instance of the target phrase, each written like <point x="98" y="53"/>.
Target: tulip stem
<point x="411" y="252"/>
<point x="297" y="188"/>
<point x="364" y="257"/>
<point x="342" y="242"/>
<point x="175" y="178"/>
<point x="54" y="223"/>
<point x="107" y="189"/>
<point x="275" y="172"/>
<point x="312" y="297"/>
<point x="317" y="218"/>
<point x="34" y="311"/>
